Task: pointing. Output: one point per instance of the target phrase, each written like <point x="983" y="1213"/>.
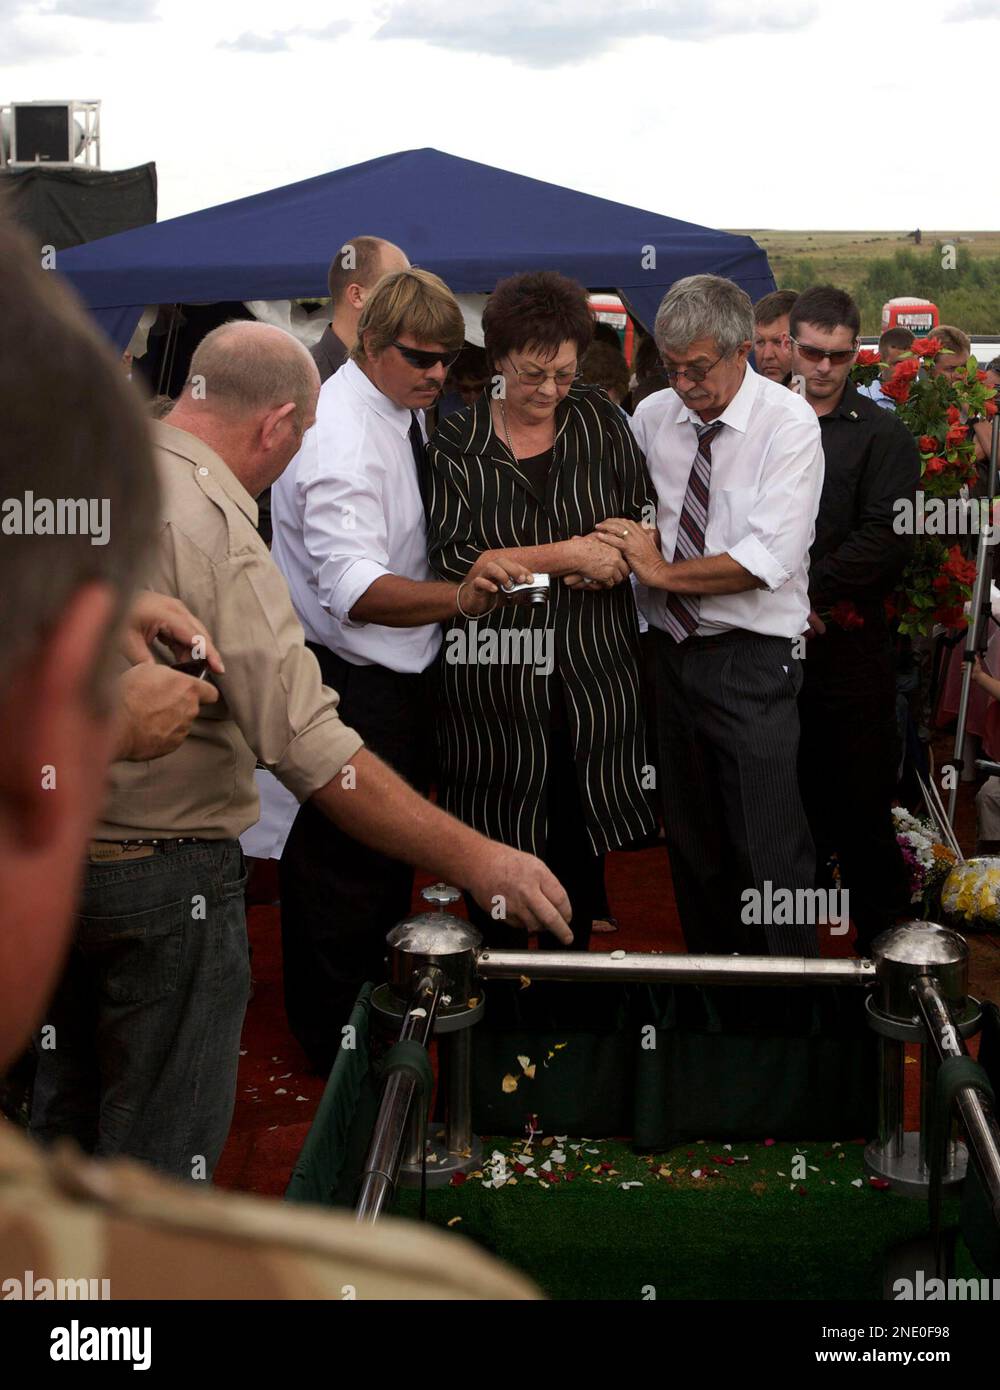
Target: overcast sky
<point x="731" y="113"/>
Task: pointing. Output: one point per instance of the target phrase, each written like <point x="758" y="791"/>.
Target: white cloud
<point x="718" y="129"/>
<point x="334" y="30"/>
<point x="256" y="43"/>
<point x="23" y="46"/>
<point x="277" y="42"/>
<point x="554" y="33"/>
<point x="117" y="11"/>
<point x="973" y="9"/>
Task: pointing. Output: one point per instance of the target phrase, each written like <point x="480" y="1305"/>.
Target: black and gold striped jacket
<point x="494" y="726"/>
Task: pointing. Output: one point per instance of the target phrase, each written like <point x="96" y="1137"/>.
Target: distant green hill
<point x="876" y="266"/>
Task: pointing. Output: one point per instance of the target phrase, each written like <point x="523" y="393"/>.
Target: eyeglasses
<point x="534" y="376"/>
<point x="693" y="374"/>
<point x="815" y="354"/>
<point x="417" y="357"/>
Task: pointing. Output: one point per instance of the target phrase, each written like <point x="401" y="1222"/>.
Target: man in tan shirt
<point x="72" y="1226"/>
<point x="149" y="1012"/>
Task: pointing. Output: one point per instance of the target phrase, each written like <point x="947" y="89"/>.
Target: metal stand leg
<point x="459" y="1126"/>
<point x="892" y="1082"/>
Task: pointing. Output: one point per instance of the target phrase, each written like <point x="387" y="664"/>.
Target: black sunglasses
<point x="417" y="357"/>
<point x="815" y="354"/>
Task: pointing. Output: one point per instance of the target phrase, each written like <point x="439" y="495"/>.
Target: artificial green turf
<point x="748" y="1231"/>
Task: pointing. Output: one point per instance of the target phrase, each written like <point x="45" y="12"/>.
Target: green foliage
<point x="968" y="295"/>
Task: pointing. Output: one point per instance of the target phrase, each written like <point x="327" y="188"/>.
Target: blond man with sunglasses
<point x="350" y="538"/>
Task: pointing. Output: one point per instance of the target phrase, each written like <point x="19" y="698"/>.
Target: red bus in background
<point x="918" y="315"/>
<point x="608" y="308"/>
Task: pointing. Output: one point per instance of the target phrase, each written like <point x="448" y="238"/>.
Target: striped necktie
<point x="682" y="609"/>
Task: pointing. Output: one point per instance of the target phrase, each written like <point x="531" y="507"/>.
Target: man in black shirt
<point x="849" y="748"/>
<point x="354" y="271"/>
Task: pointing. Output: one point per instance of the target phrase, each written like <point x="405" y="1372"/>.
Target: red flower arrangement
<point x="845" y="615"/>
<point x="938" y="581"/>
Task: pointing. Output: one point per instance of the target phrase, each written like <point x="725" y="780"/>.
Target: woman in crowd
<point x="542" y="740"/>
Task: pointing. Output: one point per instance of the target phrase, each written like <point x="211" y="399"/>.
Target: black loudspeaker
<point x="43" y="134"/>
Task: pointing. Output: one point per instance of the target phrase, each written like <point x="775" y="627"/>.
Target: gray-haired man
<point x="738" y="468"/>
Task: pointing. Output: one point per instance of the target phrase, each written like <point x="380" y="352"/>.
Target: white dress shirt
<point x="767" y="475"/>
<point x="346" y="511"/>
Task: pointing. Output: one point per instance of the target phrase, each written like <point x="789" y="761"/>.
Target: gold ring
<point x="625" y="532"/>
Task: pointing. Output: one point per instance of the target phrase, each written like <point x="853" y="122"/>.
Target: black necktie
<point x="419" y="451"/>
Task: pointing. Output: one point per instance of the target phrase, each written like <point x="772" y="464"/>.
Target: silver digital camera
<point x="537" y="591"/>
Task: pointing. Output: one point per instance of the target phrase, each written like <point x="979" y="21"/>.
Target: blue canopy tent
<point x="468" y="222"/>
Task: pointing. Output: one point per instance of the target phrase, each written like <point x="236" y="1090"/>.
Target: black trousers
<point x="339" y="898"/>
<point x="848" y="756"/>
<point x="728" y="733"/>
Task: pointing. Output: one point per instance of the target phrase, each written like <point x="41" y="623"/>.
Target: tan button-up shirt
<point x="274" y="706"/>
<point x="130" y="1233"/>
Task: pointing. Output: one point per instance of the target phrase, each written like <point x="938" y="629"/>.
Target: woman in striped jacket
<point x="541" y="733"/>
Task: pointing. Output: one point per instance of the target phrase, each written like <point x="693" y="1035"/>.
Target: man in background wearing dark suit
<point x="355" y="269"/>
<point x="354" y="272"/>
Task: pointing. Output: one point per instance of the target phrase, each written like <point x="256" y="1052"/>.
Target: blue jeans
<point x="148" y="1014"/>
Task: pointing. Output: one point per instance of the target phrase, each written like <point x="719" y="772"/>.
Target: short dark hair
<point x="93" y="440"/>
<point x="470" y="364"/>
<point x="952" y="339"/>
<point x="895" y="338"/>
<point x="774" y="306"/>
<point x="538" y="309"/>
<point x="826" y="307"/>
<point x="647" y="359"/>
<point x="606" y="333"/>
<point x="604" y="365"/>
<point x="358" y="262"/>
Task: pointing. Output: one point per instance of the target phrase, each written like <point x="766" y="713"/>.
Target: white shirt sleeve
<point x="343" y="516"/>
<point x="782" y="520"/>
<point x="637" y="424"/>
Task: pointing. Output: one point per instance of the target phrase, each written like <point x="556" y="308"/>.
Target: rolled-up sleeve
<point x="272" y="684"/>
<point x="343" y="517"/>
<point x="781" y="522"/>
